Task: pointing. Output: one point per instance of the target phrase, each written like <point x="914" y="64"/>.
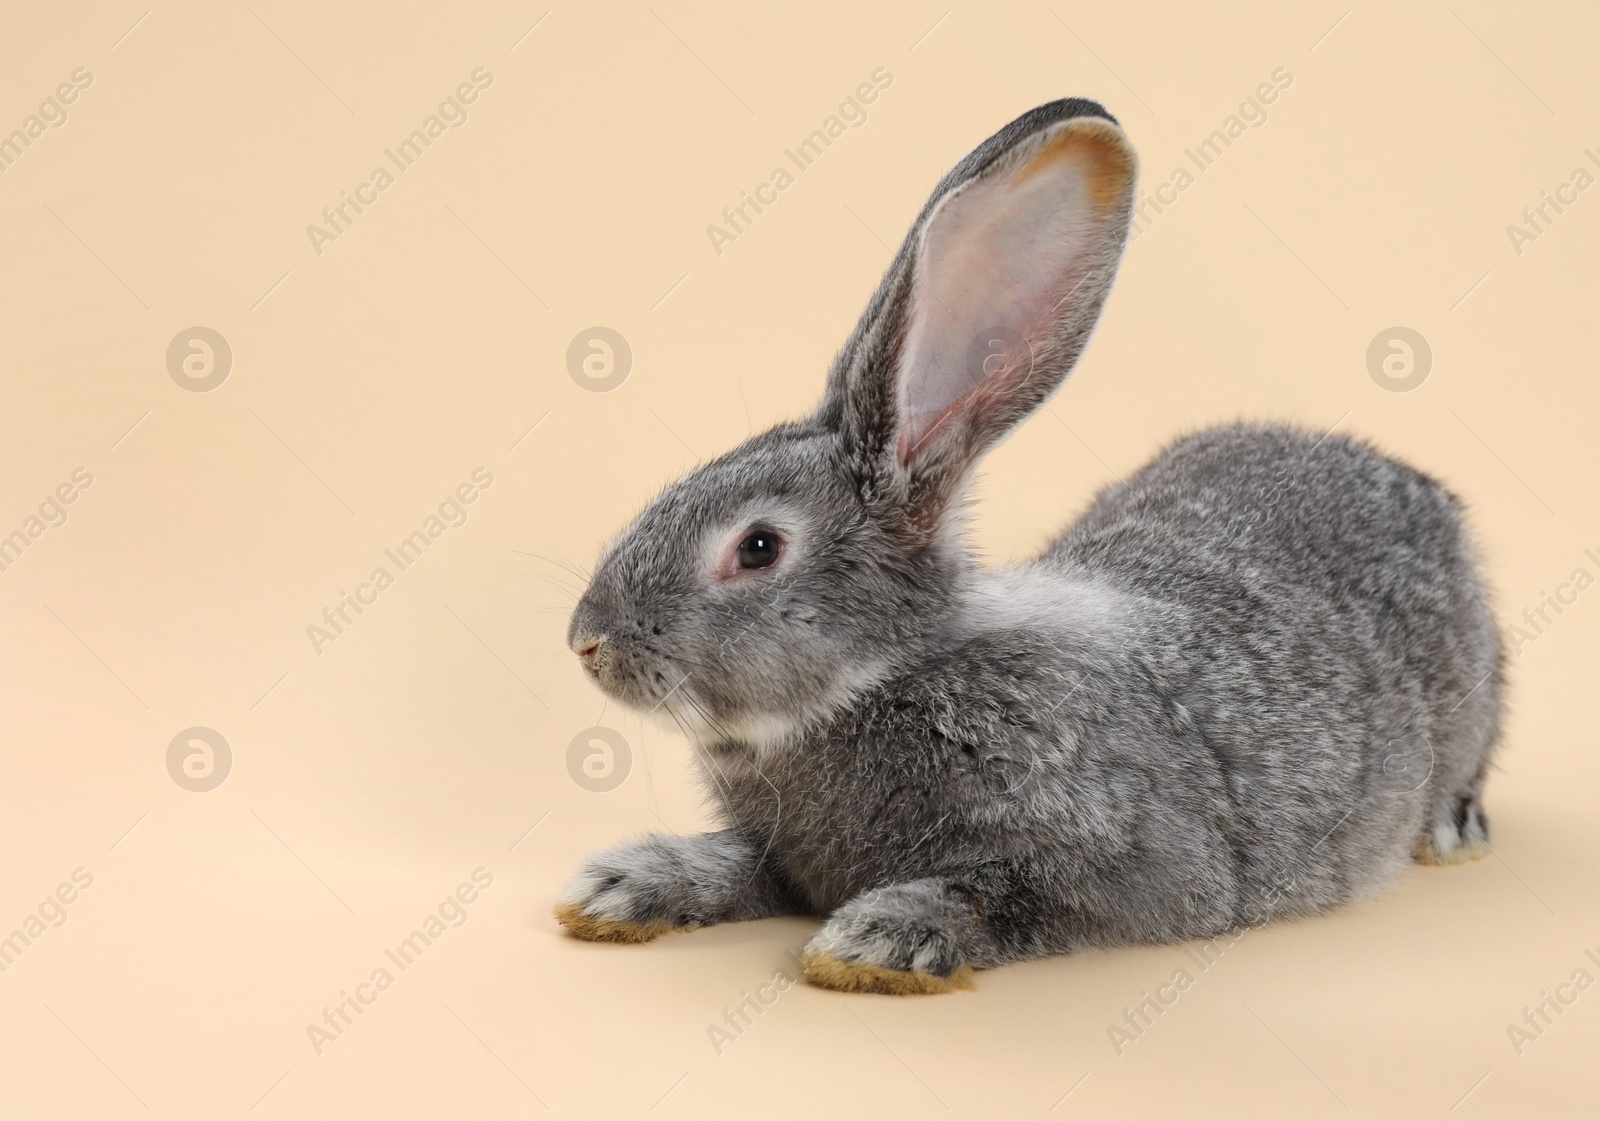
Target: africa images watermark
<point x="1539" y="217"/>
<point x="739" y="1018"/>
<point x="599" y="359"/>
<point x="403" y="156"/>
<point x="52" y="113"/>
<point x="451" y="912"/>
<point x="1537" y="621"/>
<point x="451" y="514"/>
<point x="199" y="759"/>
<point x="1251" y="114"/>
<point x="1405" y="768"/>
<point x="852" y="113"/>
<point x="199" y="359"/>
<point x="52" y="912"/>
<point x="50" y="514"/>
<point x="1551" y="1006"/>
<point x="1141" y="1017"/>
<point x="599" y="769"/>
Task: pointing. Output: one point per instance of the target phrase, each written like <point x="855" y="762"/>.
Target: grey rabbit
<point x="1250" y="682"/>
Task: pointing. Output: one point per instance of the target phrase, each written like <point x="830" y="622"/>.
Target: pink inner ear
<point x="998" y="258"/>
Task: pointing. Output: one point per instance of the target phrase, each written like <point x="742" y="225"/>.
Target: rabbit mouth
<point x="634" y="686"/>
<point x="649" y="683"/>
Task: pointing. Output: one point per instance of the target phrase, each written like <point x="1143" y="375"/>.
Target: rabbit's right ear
<point x="987" y="306"/>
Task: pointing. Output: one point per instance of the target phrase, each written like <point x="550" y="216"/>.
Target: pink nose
<point x="587" y="649"/>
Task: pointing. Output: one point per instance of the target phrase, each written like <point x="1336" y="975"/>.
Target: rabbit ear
<point x="988" y="304"/>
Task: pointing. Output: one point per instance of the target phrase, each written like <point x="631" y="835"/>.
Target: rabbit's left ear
<point x="989" y="302"/>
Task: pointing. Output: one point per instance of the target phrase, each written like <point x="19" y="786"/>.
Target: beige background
<point x="368" y="780"/>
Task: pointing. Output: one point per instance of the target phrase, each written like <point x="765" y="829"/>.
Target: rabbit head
<point x="768" y="586"/>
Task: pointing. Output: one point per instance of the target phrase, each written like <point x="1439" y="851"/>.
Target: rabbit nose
<point x="588" y="649"/>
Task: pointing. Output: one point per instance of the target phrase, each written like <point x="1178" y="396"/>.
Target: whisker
<point x="564" y="565"/>
<point x="777" y="818"/>
<point x="705" y="714"/>
<point x="725" y="782"/>
<point x="554" y="583"/>
<point x="583" y="573"/>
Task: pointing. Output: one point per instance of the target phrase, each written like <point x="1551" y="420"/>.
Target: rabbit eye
<point x="759" y="549"/>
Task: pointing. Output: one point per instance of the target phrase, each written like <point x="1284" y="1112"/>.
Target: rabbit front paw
<point x="904" y="939"/>
<point x="624" y="895"/>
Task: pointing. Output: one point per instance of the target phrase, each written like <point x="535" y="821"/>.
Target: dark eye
<point x="759" y="549"/>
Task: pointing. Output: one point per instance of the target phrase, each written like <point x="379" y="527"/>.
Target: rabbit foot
<point x="829" y="972"/>
<point x="902" y="939"/>
<point x="658" y="884"/>
<point x="1461" y="835"/>
<point x="1428" y="852"/>
<point x="600" y="928"/>
<point x="604" y="903"/>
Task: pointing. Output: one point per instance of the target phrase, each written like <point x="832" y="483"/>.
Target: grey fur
<point x="1245" y="684"/>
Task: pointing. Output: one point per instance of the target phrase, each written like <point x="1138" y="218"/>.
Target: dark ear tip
<point x="1033" y="121"/>
<point x="1066" y="109"/>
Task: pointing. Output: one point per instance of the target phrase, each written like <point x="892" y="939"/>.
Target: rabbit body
<point x="1249" y="682"/>
<point x="1244" y="685"/>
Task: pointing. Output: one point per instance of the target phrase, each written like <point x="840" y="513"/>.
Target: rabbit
<point x="1251" y="682"/>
